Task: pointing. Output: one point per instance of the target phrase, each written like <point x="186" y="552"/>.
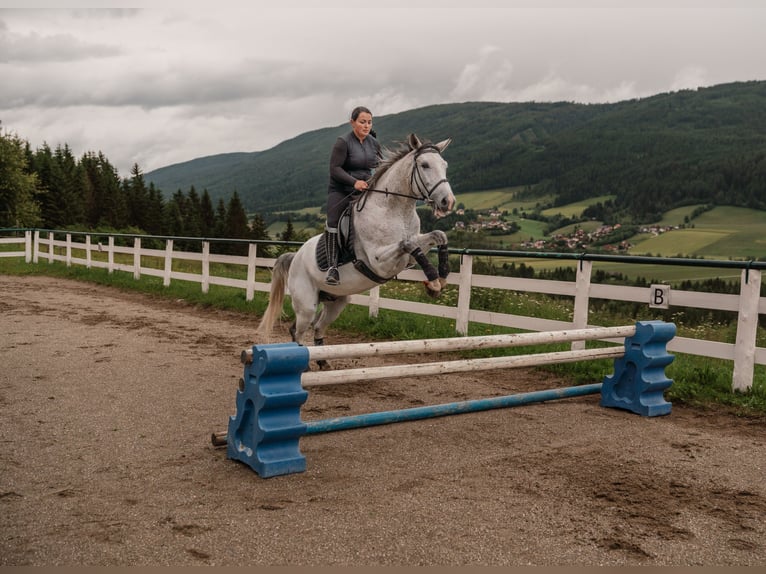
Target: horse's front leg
<point x="417" y="248"/>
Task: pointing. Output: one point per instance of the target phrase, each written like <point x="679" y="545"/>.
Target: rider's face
<point x="362" y="125"/>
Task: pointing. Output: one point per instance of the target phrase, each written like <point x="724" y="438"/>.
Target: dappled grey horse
<point x="385" y="239"/>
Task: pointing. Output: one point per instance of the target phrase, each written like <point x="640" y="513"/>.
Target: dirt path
<point x="108" y="400"/>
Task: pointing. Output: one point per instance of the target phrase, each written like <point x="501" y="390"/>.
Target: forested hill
<point x="653" y="154"/>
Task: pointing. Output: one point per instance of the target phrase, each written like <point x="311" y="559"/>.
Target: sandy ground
<point x="108" y="400"/>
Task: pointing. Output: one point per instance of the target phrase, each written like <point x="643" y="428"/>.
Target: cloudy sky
<point x="163" y="82"/>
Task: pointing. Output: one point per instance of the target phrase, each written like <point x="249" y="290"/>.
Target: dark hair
<point x="358" y="110"/>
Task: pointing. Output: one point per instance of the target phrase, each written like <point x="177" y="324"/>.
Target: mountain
<point x="651" y="154"/>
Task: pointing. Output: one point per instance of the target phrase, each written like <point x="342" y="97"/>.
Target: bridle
<point x="416" y="178"/>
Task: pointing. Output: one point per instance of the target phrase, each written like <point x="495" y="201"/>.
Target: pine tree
<point x="236" y="224"/>
<point x="288" y="234"/>
<point x="193" y="214"/>
<point x="156" y="208"/>
<point x="105" y="202"/>
<point x="207" y="215"/>
<point x="173" y="223"/>
<point x="66" y="180"/>
<point x="219" y="229"/>
<point x="258" y="230"/>
<point x="137" y="198"/>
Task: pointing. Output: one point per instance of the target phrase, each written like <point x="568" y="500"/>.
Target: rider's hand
<point x="360" y="185"/>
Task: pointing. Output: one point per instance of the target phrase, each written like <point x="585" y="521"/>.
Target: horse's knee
<point x="439" y="237"/>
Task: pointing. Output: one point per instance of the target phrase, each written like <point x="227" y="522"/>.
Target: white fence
<point x="748" y="304"/>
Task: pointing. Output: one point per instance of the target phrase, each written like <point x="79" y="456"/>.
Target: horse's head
<point x="429" y="174"/>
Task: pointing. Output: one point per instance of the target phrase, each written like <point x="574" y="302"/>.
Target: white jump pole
<point x="358" y="350"/>
<point x="317" y="378"/>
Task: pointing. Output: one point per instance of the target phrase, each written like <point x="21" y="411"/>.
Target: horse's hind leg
<point x="304" y="306"/>
<point x="330" y="311"/>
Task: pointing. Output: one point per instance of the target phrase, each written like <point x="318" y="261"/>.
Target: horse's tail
<point x="277" y="294"/>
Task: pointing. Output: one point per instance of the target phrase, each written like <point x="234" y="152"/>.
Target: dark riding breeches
<point x="337" y="202"/>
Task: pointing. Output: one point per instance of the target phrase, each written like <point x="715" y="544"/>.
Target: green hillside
<point x="648" y="156"/>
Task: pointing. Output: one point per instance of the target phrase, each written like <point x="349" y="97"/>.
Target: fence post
<point x="464" y="294"/>
<point x="36" y="247"/>
<point x="27" y="246"/>
<point x="137" y="258"/>
<point x="747" y="326"/>
<point x="374" y="308"/>
<point x="205" y="266"/>
<point x="51" y="238"/>
<point x="168" y="262"/>
<point x="110" y="255"/>
<point x="68" y="249"/>
<point x="252" y="252"/>
<point x="581" y="299"/>
<point x="87" y="252"/>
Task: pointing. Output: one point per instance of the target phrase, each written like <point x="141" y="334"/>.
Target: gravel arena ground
<point x="109" y="398"/>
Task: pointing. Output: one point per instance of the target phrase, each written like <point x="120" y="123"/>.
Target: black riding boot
<point x="331" y="245"/>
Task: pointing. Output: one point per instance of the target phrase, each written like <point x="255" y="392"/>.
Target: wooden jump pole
<point x="358" y="350"/>
<point x="317" y="378"/>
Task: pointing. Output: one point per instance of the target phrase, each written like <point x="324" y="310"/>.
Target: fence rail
<point x="48" y="245"/>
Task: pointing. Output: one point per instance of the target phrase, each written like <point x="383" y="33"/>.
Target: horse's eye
<point x="425" y="165"/>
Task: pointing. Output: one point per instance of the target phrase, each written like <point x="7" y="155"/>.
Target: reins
<point x="416" y="181"/>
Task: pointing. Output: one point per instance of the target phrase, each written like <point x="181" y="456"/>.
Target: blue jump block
<point x="639" y="380"/>
<point x="266" y="429"/>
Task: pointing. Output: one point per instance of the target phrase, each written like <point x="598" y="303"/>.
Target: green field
<point x="576" y="209"/>
<point x="721" y="233"/>
<point x="503" y="199"/>
<point x="678" y="216"/>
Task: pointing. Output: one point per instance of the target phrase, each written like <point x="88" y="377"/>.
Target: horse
<point x="385" y="239"/>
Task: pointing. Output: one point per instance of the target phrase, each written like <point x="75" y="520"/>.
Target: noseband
<point x="416" y="179"/>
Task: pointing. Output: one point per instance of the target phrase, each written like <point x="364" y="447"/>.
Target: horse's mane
<point x="390" y="157"/>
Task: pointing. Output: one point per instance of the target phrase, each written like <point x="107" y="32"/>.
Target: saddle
<point x="346" y="254"/>
<point x="345" y="243"/>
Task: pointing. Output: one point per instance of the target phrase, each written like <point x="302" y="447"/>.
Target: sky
<point x="163" y="82"/>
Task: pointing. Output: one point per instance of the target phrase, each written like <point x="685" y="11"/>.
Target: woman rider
<point x="352" y="161"/>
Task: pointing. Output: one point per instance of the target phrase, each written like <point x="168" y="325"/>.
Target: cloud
<point x="34" y="47"/>
<point x="486" y="79"/>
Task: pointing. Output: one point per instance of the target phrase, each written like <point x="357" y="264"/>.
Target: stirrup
<point x="333" y="277"/>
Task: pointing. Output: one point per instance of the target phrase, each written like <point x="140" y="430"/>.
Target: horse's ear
<point x="442" y="145"/>
<point x="413" y="141"/>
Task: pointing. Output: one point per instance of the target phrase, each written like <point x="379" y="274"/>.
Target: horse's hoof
<point x="433" y="288"/>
